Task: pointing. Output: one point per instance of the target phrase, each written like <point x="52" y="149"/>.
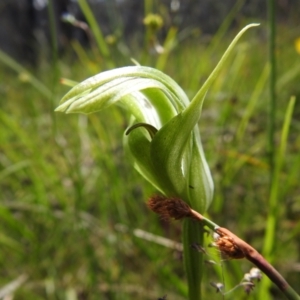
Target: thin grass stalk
<point x="35" y="82"/>
<point x="252" y="102"/>
<point x="274" y="203"/>
<point x="100" y="41"/>
<point x="223" y="29"/>
<point x="215" y="42"/>
<point x="272" y="215"/>
<point x="272" y="83"/>
<point x="169" y="43"/>
<point x="54" y="64"/>
<point x="269" y="240"/>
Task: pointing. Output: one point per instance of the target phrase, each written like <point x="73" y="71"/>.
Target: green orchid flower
<point x="163" y="139"/>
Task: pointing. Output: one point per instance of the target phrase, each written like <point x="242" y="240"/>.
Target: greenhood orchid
<point x="163" y="138"/>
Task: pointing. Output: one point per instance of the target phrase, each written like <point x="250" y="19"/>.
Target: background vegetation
<point x="73" y="220"/>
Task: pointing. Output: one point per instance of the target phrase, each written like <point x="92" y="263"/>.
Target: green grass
<point x="66" y="185"/>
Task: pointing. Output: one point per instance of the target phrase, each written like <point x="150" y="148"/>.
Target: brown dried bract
<point x="169" y="207"/>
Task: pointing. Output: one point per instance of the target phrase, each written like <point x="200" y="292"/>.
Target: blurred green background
<point x="73" y="219"/>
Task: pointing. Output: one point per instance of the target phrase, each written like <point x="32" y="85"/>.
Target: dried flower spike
<point x="227" y="246"/>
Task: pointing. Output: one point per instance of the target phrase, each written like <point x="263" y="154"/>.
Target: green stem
<point x="193" y="260"/>
<point x="272" y="82"/>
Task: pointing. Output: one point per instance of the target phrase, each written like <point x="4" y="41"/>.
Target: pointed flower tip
<point x="62" y="109"/>
<point x="58" y="109"/>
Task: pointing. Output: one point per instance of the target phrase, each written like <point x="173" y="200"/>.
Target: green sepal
<point x="109" y="87"/>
